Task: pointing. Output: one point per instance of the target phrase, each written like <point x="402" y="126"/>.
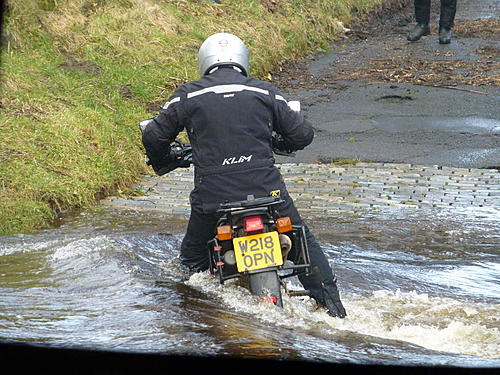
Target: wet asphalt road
<point x="402" y="122"/>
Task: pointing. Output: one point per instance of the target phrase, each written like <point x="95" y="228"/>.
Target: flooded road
<point x="420" y="287"/>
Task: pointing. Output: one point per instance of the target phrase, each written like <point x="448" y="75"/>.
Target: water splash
<point x="437" y="323"/>
<point x="440" y="324"/>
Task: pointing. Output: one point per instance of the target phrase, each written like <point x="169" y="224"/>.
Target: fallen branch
<point x="453" y="88"/>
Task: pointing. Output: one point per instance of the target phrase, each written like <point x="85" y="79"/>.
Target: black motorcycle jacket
<point x="229" y="119"/>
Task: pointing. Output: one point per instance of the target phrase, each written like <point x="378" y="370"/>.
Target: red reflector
<point x="253" y="223"/>
<point x="271" y="299"/>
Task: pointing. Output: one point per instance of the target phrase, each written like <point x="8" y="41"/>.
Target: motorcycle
<point x="254" y="242"/>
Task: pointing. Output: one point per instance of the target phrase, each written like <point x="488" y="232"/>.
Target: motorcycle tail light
<point x="283" y="224"/>
<point x="224" y="232"/>
<point x="253" y="223"/>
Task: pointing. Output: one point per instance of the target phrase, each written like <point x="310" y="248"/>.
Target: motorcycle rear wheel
<point x="266" y="285"/>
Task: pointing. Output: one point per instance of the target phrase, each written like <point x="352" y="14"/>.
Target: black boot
<point x="332" y="300"/>
<point x="418" y="31"/>
<point x="444" y="35"/>
<point x="446" y="20"/>
<point x="327" y="295"/>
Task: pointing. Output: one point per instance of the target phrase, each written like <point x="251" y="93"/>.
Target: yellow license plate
<point x="257" y="251"/>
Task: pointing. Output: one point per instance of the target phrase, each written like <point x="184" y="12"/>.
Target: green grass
<point x="78" y="76"/>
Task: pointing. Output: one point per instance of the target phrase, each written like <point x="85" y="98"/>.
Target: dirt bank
<point x="374" y="96"/>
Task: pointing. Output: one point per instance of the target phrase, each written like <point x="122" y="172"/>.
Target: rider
<point x="229" y="119"/>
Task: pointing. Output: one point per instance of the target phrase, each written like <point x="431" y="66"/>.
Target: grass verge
<point x="78" y="76"/>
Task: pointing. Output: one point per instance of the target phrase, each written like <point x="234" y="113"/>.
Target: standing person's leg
<point x="194" y="251"/>
<point x="446" y="20"/>
<point x="422" y="17"/>
<point x="422" y="11"/>
<point x="322" y="282"/>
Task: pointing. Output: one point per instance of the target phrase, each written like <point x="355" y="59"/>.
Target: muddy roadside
<point x="376" y="97"/>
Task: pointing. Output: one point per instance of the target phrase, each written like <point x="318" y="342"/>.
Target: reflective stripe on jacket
<point x="229" y="119"/>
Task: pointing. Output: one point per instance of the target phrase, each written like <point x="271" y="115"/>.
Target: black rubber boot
<point x="418" y="31"/>
<point x="444" y="35"/>
<point x="446" y="20"/>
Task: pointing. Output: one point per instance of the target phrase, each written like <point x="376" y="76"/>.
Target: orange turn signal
<point x="224" y="232"/>
<point x="283" y="224"/>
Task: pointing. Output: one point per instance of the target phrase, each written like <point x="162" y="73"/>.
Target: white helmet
<point x="223" y="49"/>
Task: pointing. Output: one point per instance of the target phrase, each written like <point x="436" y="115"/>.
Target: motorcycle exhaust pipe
<point x="286" y="245"/>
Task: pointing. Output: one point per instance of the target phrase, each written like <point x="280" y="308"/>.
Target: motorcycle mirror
<point x="144" y="123"/>
<point x="294" y="105"/>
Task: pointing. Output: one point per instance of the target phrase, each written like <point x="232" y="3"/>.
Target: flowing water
<point x="420" y="288"/>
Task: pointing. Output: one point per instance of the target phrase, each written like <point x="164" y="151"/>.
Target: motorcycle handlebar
<point x="182" y="157"/>
<point x="182" y="151"/>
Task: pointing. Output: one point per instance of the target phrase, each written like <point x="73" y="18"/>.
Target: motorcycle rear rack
<point x="250" y="202"/>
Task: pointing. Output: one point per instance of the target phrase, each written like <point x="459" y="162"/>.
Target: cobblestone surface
<point x="325" y="189"/>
